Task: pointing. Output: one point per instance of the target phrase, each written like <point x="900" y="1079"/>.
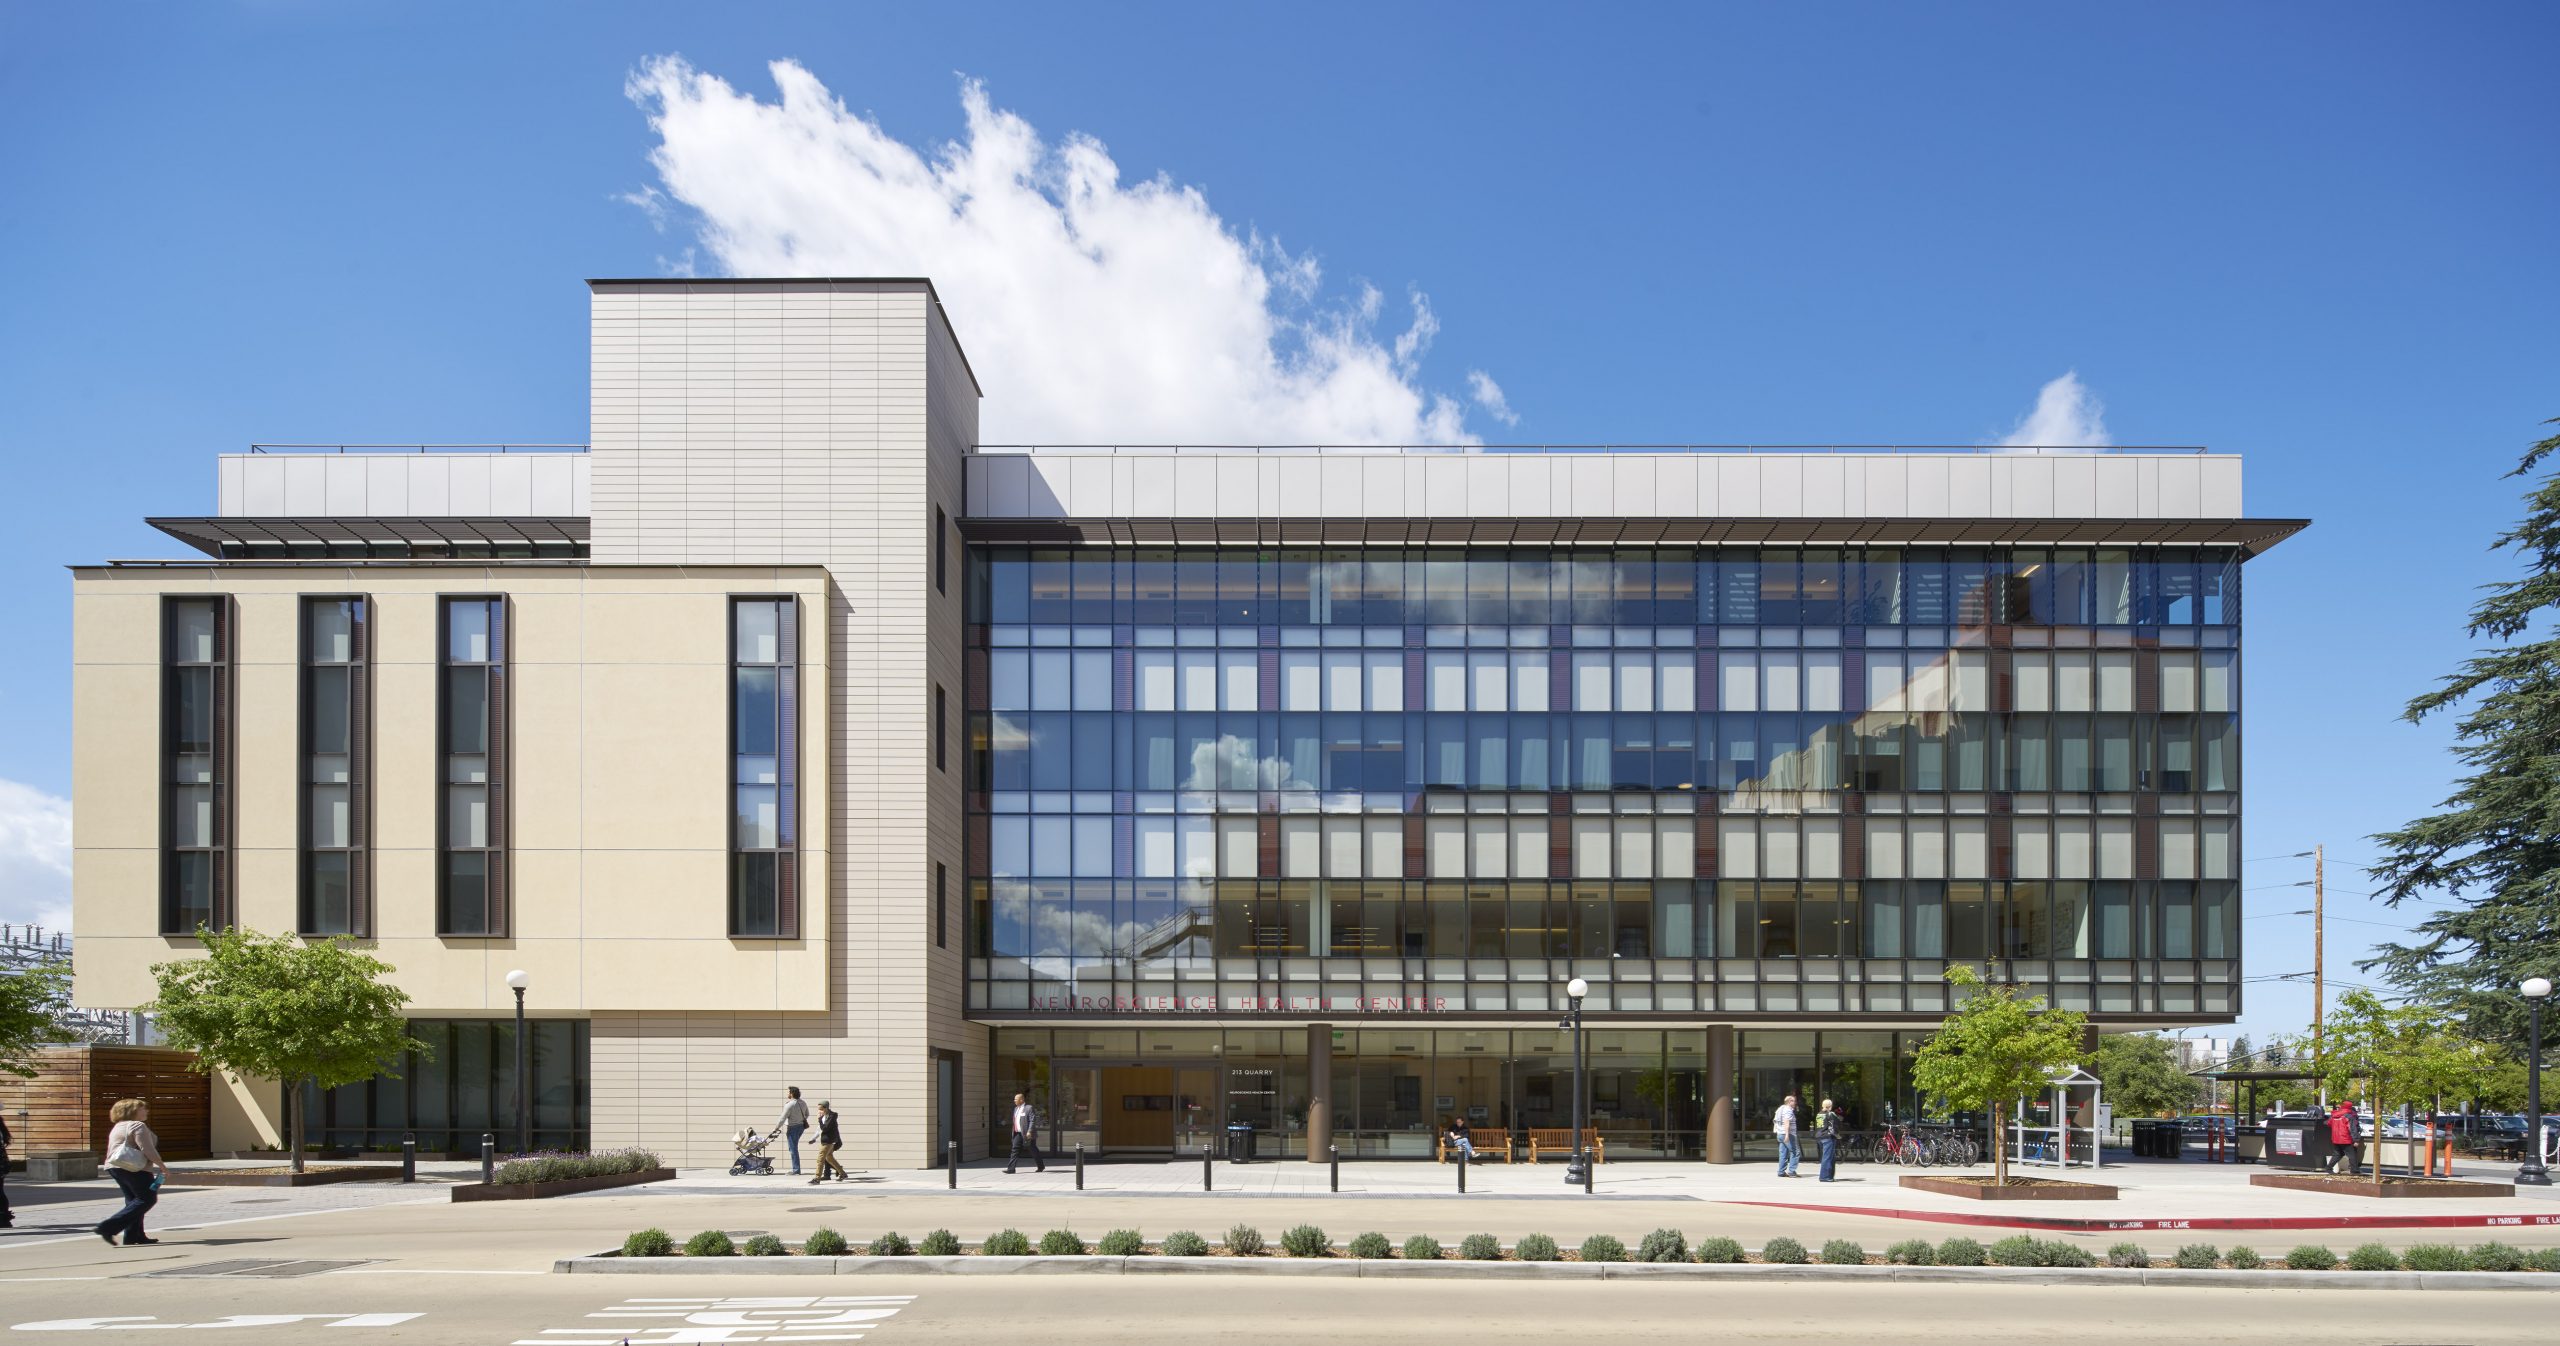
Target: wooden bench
<point x="1490" y="1146"/>
<point x="1546" y="1140"/>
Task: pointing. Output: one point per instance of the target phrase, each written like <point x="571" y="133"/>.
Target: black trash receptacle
<point x="2146" y="1139"/>
<point x="1240" y="1143"/>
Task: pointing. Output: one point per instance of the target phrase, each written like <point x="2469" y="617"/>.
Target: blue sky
<point x="2317" y="235"/>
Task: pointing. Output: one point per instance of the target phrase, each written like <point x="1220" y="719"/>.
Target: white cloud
<point x="35" y="857"/>
<point x="2067" y="415"/>
<point x="1094" y="311"/>
<point x="1488" y="395"/>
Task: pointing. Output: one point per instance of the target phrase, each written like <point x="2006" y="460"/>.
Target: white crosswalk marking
<point x="643" y="1321"/>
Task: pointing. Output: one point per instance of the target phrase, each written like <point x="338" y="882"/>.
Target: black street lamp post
<point x="2532" y="1173"/>
<point x="517" y="981"/>
<point x="1574" y="991"/>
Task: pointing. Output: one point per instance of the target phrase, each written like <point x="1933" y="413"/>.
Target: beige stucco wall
<point x="810" y="421"/>
<point x="619" y="766"/>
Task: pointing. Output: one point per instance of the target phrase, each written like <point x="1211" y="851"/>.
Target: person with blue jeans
<point x="133" y="1160"/>
<point x="1784" y="1124"/>
<point x="1826" y="1128"/>
<point x="795" y="1119"/>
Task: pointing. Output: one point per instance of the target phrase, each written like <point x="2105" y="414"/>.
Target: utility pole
<point x="2319" y="951"/>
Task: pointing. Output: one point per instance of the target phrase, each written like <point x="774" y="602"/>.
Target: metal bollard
<point x="951" y="1164"/>
<point x="1079" y="1168"/>
<point x="1589" y="1163"/>
<point x="409" y="1157"/>
<point x="488" y="1158"/>
<point x="1205" y="1158"/>
<point x="1335" y="1152"/>
<point x="1462" y="1173"/>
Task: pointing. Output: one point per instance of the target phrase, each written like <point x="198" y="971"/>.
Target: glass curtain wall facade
<point x="1394" y="1089"/>
<point x="1720" y="782"/>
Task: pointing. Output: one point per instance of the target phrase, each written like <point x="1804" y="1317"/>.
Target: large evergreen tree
<point x="2494" y="846"/>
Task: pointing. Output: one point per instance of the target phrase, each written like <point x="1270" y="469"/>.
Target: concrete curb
<point x="616" y="1265"/>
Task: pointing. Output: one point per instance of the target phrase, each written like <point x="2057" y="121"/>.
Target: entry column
<point x="1319" y="1091"/>
<point x="1719" y="1085"/>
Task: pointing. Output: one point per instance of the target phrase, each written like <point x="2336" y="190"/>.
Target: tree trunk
<point x="293" y="1122"/>
<point x="2000" y="1144"/>
<point x="2378" y="1115"/>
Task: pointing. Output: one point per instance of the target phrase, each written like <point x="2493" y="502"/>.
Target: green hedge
<point x="1602" y="1248"/>
<point x="940" y="1243"/>
<point x="1535" y="1248"/>
<point x="1306" y="1240"/>
<point x="1184" y="1243"/>
<point x="710" y="1243"/>
<point x="649" y="1243"/>
<point x="562" y="1167"/>
<point x="824" y="1242"/>
<point x="1121" y="1243"/>
<point x="1370" y="1247"/>
<point x="1006" y="1243"/>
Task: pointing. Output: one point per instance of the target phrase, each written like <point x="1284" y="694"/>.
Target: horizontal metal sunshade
<point x="235" y="537"/>
<point x="2256" y="535"/>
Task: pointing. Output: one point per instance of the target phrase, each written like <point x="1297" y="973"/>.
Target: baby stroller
<point x="751" y="1160"/>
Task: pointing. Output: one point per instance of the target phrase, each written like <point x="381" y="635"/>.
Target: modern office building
<point x="786" y="734"/>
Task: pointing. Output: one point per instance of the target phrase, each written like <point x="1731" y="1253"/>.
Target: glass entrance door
<point x="1196" y="1121"/>
<point x="1157" y="1109"/>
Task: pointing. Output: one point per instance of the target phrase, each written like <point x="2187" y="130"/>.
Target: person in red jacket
<point x="2342" y="1134"/>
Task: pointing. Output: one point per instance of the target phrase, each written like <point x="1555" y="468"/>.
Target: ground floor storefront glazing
<point x="1165" y="1092"/>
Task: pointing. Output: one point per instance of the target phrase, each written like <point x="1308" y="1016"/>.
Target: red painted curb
<point x="2287" y="1222"/>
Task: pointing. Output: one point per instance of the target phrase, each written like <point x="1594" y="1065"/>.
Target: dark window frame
<point x="497" y="892"/>
<point x="941" y="905"/>
<point x="941" y="730"/>
<point x="222" y="911"/>
<point x="786" y="783"/>
<point x="941" y="552"/>
<point x="359" y="847"/>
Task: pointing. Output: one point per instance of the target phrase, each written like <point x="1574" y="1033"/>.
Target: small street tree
<point x="2140" y="1075"/>
<point x="271" y="1007"/>
<point x="2400" y="1053"/>
<point x="1997" y="1047"/>
<point x="29" y="1001"/>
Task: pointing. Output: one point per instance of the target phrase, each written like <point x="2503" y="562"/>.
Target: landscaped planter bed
<point x="2340" y="1184"/>
<point x="534" y="1191"/>
<point x="1397" y="1268"/>
<point x="2017" y="1189"/>
<point x="283" y="1177"/>
<point x="1665" y="1252"/>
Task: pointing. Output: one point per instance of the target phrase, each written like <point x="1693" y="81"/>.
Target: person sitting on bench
<point x="1458" y="1139"/>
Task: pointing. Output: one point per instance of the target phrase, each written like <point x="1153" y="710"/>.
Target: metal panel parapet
<point x="417" y="448"/>
<point x="2072" y="450"/>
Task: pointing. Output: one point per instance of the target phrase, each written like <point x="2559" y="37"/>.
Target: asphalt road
<point x="469" y="1309"/>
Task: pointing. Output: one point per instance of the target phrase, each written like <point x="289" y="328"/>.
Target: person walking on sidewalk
<point x="794" y="1120"/>
<point x="133" y="1158"/>
<point x="1826" y="1129"/>
<point x="2342" y="1135"/>
<point x="6" y="1219"/>
<point x="830" y="1138"/>
<point x="1026" y="1136"/>
<point x="1784" y="1127"/>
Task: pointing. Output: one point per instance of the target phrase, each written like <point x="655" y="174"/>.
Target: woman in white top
<point x="133" y="1157"/>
